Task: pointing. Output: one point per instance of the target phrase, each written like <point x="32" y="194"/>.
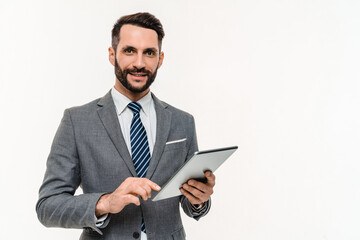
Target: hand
<point x="198" y="192"/>
<point x="128" y="192"/>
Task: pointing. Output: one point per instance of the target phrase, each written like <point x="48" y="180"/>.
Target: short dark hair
<point x="141" y="19"/>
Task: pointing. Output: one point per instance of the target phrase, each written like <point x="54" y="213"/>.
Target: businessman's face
<point x="137" y="58"/>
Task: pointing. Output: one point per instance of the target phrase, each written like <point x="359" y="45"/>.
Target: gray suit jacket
<point x="89" y="151"/>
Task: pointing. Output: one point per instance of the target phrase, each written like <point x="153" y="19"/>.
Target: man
<point x="120" y="148"/>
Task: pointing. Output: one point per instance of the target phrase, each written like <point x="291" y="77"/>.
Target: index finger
<point x="210" y="178"/>
<point x="151" y="184"/>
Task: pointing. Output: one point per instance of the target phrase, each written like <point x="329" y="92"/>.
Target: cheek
<point x="124" y="62"/>
<point x="152" y="65"/>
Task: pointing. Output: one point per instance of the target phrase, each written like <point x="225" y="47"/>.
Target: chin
<point x="138" y="87"/>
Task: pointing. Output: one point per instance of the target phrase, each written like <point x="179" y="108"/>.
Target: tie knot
<point x="135" y="107"/>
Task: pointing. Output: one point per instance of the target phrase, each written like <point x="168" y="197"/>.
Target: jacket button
<point x="136" y="235"/>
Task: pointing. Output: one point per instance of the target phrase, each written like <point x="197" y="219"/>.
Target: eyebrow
<point x="128" y="47"/>
<point x="145" y="50"/>
<point x="151" y="49"/>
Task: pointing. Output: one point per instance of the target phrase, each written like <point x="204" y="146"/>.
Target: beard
<point x="121" y="75"/>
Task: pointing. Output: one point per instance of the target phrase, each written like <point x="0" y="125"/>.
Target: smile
<point x="138" y="75"/>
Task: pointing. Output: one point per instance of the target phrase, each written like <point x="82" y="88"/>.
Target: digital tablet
<point x="194" y="168"/>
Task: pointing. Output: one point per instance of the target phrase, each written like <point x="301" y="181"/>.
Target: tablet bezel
<point x="162" y="194"/>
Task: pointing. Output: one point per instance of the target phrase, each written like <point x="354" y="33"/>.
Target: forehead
<point x="138" y="37"/>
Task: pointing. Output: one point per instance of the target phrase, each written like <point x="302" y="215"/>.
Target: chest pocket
<point x="176" y="145"/>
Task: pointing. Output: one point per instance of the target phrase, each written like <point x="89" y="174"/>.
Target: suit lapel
<point x="163" y="123"/>
<point x="108" y="116"/>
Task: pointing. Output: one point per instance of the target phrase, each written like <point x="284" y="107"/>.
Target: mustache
<point x="137" y="70"/>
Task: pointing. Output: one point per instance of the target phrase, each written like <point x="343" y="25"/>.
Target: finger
<point x="130" y="198"/>
<point x="210" y="178"/>
<point x="144" y="184"/>
<point x="190" y="197"/>
<point x="195" y="192"/>
<point x="139" y="190"/>
<point x="151" y="184"/>
<point x="199" y="185"/>
<point x="147" y="188"/>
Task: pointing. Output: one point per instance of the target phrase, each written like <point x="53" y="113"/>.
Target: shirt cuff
<point x="197" y="207"/>
<point x="100" y="221"/>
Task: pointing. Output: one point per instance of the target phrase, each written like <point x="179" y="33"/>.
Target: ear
<point x="161" y="58"/>
<point x="112" y="58"/>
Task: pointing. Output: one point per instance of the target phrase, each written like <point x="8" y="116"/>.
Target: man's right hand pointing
<point x="128" y="192"/>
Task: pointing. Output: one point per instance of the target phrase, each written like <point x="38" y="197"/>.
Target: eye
<point x="150" y="53"/>
<point x="128" y="50"/>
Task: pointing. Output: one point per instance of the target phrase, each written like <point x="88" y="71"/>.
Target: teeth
<point x="138" y="75"/>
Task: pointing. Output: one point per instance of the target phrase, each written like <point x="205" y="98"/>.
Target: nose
<point x="139" y="61"/>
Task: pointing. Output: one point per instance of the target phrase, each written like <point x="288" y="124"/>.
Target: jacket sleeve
<point x="57" y="206"/>
<point x="185" y="204"/>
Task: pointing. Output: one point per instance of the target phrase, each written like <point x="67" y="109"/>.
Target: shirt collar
<point x="121" y="102"/>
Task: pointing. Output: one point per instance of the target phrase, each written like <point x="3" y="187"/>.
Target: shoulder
<point x="82" y="113"/>
<point x="87" y="107"/>
<point x="90" y="109"/>
<point x="176" y="112"/>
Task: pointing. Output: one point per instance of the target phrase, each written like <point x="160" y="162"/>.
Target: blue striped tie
<point x="139" y="146"/>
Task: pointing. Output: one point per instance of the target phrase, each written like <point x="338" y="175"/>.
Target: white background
<point x="280" y="79"/>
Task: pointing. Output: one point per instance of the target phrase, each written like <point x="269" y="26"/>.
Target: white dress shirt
<point x="125" y="116"/>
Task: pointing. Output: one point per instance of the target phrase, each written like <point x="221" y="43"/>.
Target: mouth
<point x="138" y="74"/>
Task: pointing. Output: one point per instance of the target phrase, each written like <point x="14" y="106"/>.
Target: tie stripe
<point x="139" y="146"/>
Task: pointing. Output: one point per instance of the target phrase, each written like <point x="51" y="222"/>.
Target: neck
<point x="133" y="96"/>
